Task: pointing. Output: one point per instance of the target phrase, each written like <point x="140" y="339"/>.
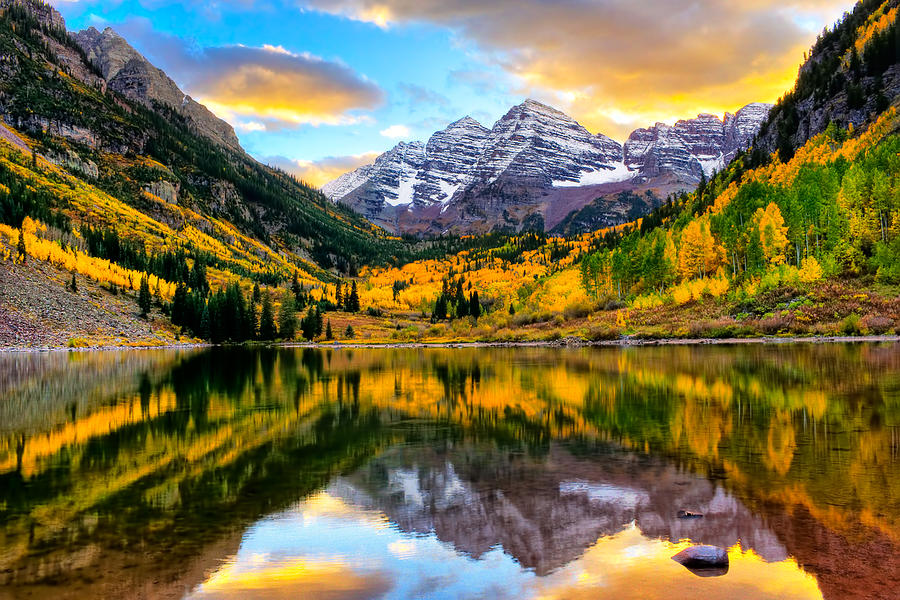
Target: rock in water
<point x="700" y="558"/>
<point x="686" y="514"/>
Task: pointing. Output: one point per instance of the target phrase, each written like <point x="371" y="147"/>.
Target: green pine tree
<point x="287" y="317"/>
<point x="252" y="321"/>
<point x="296" y="288"/>
<point x="318" y="323"/>
<point x="204" y="323"/>
<point x="145" y="299"/>
<point x="308" y="325"/>
<point x="440" y="308"/>
<point x="267" y="330"/>
<point x="20" y="246"/>
<point x="462" y="304"/>
<point x="353" y="299"/>
<point x="329" y="335"/>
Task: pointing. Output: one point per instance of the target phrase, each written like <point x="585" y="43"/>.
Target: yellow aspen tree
<point x="810" y="270"/>
<point x="772" y="233"/>
<point x="691" y="251"/>
<point x="700" y="253"/>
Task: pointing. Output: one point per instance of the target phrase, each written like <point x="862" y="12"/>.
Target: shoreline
<point x="561" y="343"/>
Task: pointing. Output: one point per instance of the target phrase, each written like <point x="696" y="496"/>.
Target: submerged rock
<point x="704" y="560"/>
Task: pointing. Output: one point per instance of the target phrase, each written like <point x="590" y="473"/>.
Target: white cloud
<point x="395" y="132"/>
<point x="609" y="61"/>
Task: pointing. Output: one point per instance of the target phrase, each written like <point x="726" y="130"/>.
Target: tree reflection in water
<point x="145" y="470"/>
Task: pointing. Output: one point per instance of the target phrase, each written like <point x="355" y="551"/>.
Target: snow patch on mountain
<point x="712" y="165"/>
<point x="619" y="172"/>
<point x="346" y="183"/>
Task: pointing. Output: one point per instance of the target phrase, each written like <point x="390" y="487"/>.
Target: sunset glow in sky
<point x="322" y="86"/>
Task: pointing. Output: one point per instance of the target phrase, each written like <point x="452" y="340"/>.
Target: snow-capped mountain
<point x="451" y="155"/>
<point x="532" y="168"/>
<point x="694" y="146"/>
<point x="541" y="143"/>
<point x="389" y="181"/>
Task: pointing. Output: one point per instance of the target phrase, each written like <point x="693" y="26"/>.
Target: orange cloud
<point x="619" y="64"/>
<point x="272" y="85"/>
<point x="262" y="88"/>
<point x="320" y="172"/>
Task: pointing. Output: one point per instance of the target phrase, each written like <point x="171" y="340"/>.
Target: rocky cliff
<point x="850" y="76"/>
<point x="692" y="148"/>
<point x="127" y="72"/>
<point x="533" y="168"/>
<point x="43" y="13"/>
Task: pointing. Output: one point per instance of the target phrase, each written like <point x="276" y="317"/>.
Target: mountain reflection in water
<point x="448" y="473"/>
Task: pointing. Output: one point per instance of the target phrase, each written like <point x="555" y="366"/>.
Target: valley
<point x="703" y="229"/>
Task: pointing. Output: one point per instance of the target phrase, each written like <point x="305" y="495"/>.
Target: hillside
<point x="114" y="175"/>
<point x="851" y="75"/>
<point x="92" y="104"/>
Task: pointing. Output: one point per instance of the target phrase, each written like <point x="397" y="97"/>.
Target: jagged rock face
<point x="741" y="127"/>
<point x="70" y="60"/>
<point x="71" y="161"/>
<point x="45" y="14"/>
<point x="450" y="156"/>
<point x="164" y="190"/>
<point x="693" y="147"/>
<point x="538" y="142"/>
<point x="413" y="173"/>
<point x="532" y="168"/>
<point x="829" y="90"/>
<point x="129" y="73"/>
<point x="346" y="183"/>
<point x="389" y="182"/>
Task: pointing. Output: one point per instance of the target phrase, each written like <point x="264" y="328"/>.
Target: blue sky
<point x="321" y="86"/>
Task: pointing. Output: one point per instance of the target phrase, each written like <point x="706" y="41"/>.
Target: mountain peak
<point x="692" y="148"/>
<point x="42" y="12"/>
<point x="534" y="152"/>
<point x="128" y="72"/>
<point x="531" y="105"/>
<point x="465" y="122"/>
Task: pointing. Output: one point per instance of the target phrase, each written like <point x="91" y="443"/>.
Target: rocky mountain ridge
<point x="127" y="72"/>
<point x="532" y="168"/>
<point x="692" y="148"/>
<point x="44" y="14"/>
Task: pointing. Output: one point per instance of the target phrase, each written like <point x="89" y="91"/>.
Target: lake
<point x="450" y="472"/>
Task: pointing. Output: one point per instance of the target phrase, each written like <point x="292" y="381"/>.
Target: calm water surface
<point x="450" y="473"/>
